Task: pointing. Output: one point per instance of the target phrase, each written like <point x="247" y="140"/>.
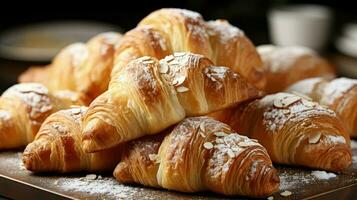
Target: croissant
<point x="294" y="130"/>
<point x="150" y="95"/>
<point x="79" y="67"/>
<point x="23" y="108"/>
<point x="199" y="154"/>
<point x="287" y="65"/>
<point x="166" y="31"/>
<point x="339" y="95"/>
<point x="57" y="147"/>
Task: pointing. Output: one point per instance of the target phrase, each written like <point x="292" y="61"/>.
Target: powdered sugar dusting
<point x="353" y="144"/>
<point x="79" y="53"/>
<point x="294" y="180"/>
<point x="306" y="86"/>
<point x="76" y="112"/>
<point x="275" y="117"/>
<point x="281" y="58"/>
<point x="189" y="14"/>
<point x="110" y="38"/>
<point x="335" y="89"/>
<point x="194" y="23"/>
<point x="5" y="115"/>
<point x="34" y="95"/>
<point x="336" y="139"/>
<point x="224" y="30"/>
<point x="66" y="94"/>
<point x="150" y="32"/>
<point x="322" y="175"/>
<point x="99" y="187"/>
<point x="217" y="74"/>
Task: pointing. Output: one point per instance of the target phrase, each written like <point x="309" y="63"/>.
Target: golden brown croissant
<point x="79" y="67"/>
<point x="294" y="130"/>
<point x="166" y="31"/>
<point x="339" y="95"/>
<point x="23" y="108"/>
<point x="287" y="65"/>
<point x="57" y="147"/>
<point x="199" y="154"/>
<point x="150" y="95"/>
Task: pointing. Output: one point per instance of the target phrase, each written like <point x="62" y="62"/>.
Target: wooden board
<point x="18" y="183"/>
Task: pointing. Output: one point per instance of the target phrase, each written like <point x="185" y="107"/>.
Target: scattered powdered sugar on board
<point x="293" y="180"/>
<point x="322" y="175"/>
<point x="353" y="144"/>
<point x="100" y="186"/>
<point x="14" y="162"/>
<point x="354" y="159"/>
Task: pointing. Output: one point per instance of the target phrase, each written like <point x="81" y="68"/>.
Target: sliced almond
<point x="75" y="111"/>
<point x="254" y="140"/>
<point x="169" y="58"/>
<point x="179" y="80"/>
<point x="314" y="138"/>
<point x="182" y="89"/>
<point x="202" y="134"/>
<point x="286" y="193"/>
<point x="270" y="198"/>
<point x="208" y="145"/>
<point x="286" y="111"/>
<point x="202" y="127"/>
<point x="290" y="100"/>
<point x="148" y="61"/>
<point x="144" y="58"/>
<point x="164" y="67"/>
<point x="309" y="103"/>
<point x="278" y="103"/>
<point x="243" y="144"/>
<point x="230" y="153"/>
<point x="220" y="134"/>
<point x="180" y="54"/>
<point x="91" y="177"/>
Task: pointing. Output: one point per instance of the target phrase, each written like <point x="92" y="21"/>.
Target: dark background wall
<point x="249" y="15"/>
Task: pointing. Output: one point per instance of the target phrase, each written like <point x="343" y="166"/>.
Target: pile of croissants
<point x="182" y="104"/>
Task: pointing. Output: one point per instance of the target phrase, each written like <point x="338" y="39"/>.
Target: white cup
<point x="304" y="25"/>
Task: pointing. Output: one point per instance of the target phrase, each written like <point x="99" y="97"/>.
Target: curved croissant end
<point x="57" y="147"/>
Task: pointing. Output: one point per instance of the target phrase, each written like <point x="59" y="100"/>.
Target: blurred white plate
<point x="41" y="42"/>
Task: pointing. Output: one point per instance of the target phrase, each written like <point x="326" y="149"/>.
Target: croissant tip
<point x="27" y="160"/>
<point x="340" y="163"/>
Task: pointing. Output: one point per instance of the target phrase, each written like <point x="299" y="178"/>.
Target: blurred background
<point x="31" y="33"/>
